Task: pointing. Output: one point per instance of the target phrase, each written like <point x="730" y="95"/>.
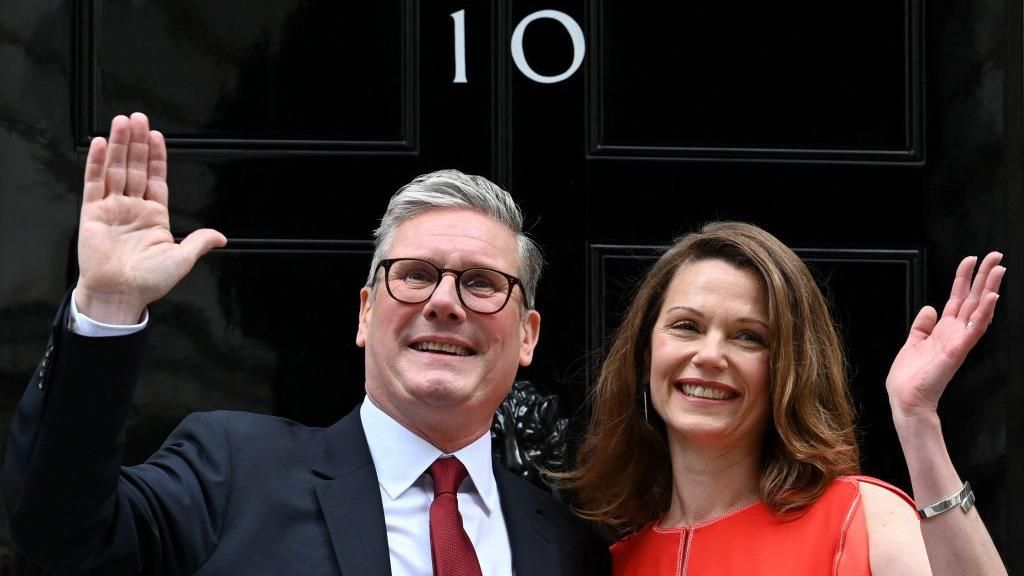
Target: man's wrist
<point x="108" y="309"/>
<point x="84" y="325"/>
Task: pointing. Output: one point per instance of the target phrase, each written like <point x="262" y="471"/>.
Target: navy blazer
<point x="227" y="493"/>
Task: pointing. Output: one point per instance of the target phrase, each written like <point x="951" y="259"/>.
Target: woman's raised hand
<point x="937" y="346"/>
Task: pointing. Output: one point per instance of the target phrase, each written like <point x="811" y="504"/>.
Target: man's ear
<point x="530" y="333"/>
<point x="365" y="311"/>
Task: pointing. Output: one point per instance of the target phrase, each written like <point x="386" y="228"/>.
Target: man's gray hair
<point x="453" y="189"/>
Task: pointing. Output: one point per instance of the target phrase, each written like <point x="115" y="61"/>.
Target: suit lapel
<point x="534" y="549"/>
<point x="349" y="496"/>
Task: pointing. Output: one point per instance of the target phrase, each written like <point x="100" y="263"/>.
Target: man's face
<point x="437" y="365"/>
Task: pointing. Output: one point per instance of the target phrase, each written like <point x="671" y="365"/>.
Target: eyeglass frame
<point x="513" y="281"/>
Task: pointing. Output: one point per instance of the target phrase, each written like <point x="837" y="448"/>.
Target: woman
<point x="722" y="434"/>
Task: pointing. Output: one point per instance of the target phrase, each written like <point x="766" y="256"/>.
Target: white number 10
<point x="518" y="56"/>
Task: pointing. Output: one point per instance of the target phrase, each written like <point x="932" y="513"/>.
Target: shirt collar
<point x="401" y="456"/>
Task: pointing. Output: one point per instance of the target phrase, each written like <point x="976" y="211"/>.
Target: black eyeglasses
<point x="482" y="290"/>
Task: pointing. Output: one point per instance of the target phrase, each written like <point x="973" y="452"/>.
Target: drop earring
<point x="646" y="418"/>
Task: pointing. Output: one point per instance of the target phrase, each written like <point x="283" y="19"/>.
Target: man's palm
<point x="127" y="256"/>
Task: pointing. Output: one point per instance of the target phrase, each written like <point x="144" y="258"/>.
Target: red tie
<point x="450" y="546"/>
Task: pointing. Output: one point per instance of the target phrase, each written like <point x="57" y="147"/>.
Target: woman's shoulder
<point x="844" y="498"/>
<point x="871" y="487"/>
<point x="892" y="528"/>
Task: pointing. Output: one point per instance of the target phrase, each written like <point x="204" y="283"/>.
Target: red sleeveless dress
<point x="830" y="538"/>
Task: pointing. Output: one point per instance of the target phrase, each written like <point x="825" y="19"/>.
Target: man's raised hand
<point x="127" y="257"/>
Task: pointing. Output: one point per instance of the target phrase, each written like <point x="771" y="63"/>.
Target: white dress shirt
<point x="85" y="326"/>
<point x="401" y="459"/>
<point x="406" y="490"/>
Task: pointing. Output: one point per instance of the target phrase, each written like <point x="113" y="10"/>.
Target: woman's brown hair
<point x="623" y="476"/>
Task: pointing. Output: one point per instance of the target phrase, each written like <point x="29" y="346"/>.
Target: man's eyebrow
<point x="464" y="265"/>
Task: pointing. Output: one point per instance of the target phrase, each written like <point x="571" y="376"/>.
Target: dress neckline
<point x="657" y="527"/>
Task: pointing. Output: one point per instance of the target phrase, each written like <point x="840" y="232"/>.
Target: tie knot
<point x="448" y="474"/>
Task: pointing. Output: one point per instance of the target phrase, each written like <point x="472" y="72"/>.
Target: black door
<point x="881" y="139"/>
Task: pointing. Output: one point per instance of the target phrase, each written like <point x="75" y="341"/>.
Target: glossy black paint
<point x="781" y="81"/>
<point x="846" y="129"/>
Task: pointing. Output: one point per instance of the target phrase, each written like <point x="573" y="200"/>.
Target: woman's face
<point x="709" y="358"/>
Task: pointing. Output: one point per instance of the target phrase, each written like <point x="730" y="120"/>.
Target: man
<point x="445" y="319"/>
